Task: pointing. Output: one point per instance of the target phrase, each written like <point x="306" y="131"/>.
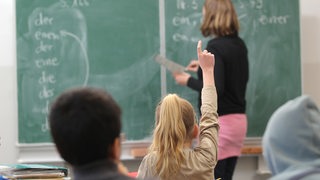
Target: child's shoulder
<point x="150" y="157"/>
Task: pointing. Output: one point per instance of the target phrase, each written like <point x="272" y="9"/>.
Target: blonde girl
<point x="171" y="155"/>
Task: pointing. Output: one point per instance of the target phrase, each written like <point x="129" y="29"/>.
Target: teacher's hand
<point x="193" y="66"/>
<point x="181" y="78"/>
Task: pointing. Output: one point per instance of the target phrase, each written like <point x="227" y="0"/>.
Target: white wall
<point x="247" y="166"/>
<point x="8" y="89"/>
<point x="310" y="47"/>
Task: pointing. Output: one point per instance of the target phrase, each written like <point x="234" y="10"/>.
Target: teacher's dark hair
<point x="84" y="124"/>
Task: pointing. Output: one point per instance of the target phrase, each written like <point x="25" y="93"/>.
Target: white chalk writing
<point x="187" y="17"/>
<point x="264" y="20"/>
<point x="261" y="17"/>
<point x="177" y="21"/>
<point x="46" y="62"/>
<point x="74" y="3"/>
<point x="38" y="35"/>
<point x="42" y="20"/>
<point x="182" y="37"/>
<point x="257" y="4"/>
<point x="44" y="39"/>
<point x="50" y="55"/>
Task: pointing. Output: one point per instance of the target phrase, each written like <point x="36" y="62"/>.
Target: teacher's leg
<point x="225" y="168"/>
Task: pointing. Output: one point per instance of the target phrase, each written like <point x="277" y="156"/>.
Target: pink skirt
<point x="233" y="129"/>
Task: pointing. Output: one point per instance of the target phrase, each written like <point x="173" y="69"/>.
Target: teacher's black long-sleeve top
<point x="231" y="74"/>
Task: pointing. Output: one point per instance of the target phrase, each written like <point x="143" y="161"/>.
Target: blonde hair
<point x="220" y="18"/>
<point x="174" y="123"/>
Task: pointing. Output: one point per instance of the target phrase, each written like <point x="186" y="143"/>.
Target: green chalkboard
<point x="271" y="30"/>
<point x="102" y="43"/>
<point x="110" y="44"/>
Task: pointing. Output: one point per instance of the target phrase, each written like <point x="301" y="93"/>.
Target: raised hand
<point x="206" y="59"/>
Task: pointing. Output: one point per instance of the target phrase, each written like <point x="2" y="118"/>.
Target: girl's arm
<point x="206" y="62"/>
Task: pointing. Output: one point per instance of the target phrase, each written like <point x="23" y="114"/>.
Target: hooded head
<point x="292" y="136"/>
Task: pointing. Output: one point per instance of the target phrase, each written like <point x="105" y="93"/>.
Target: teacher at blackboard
<point x="220" y="22"/>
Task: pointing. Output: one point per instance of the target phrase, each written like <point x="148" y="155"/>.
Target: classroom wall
<point x="247" y="166"/>
<point x="310" y="45"/>
<point x="8" y="87"/>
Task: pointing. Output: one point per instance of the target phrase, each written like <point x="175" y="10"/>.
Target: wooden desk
<point x="251" y="150"/>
